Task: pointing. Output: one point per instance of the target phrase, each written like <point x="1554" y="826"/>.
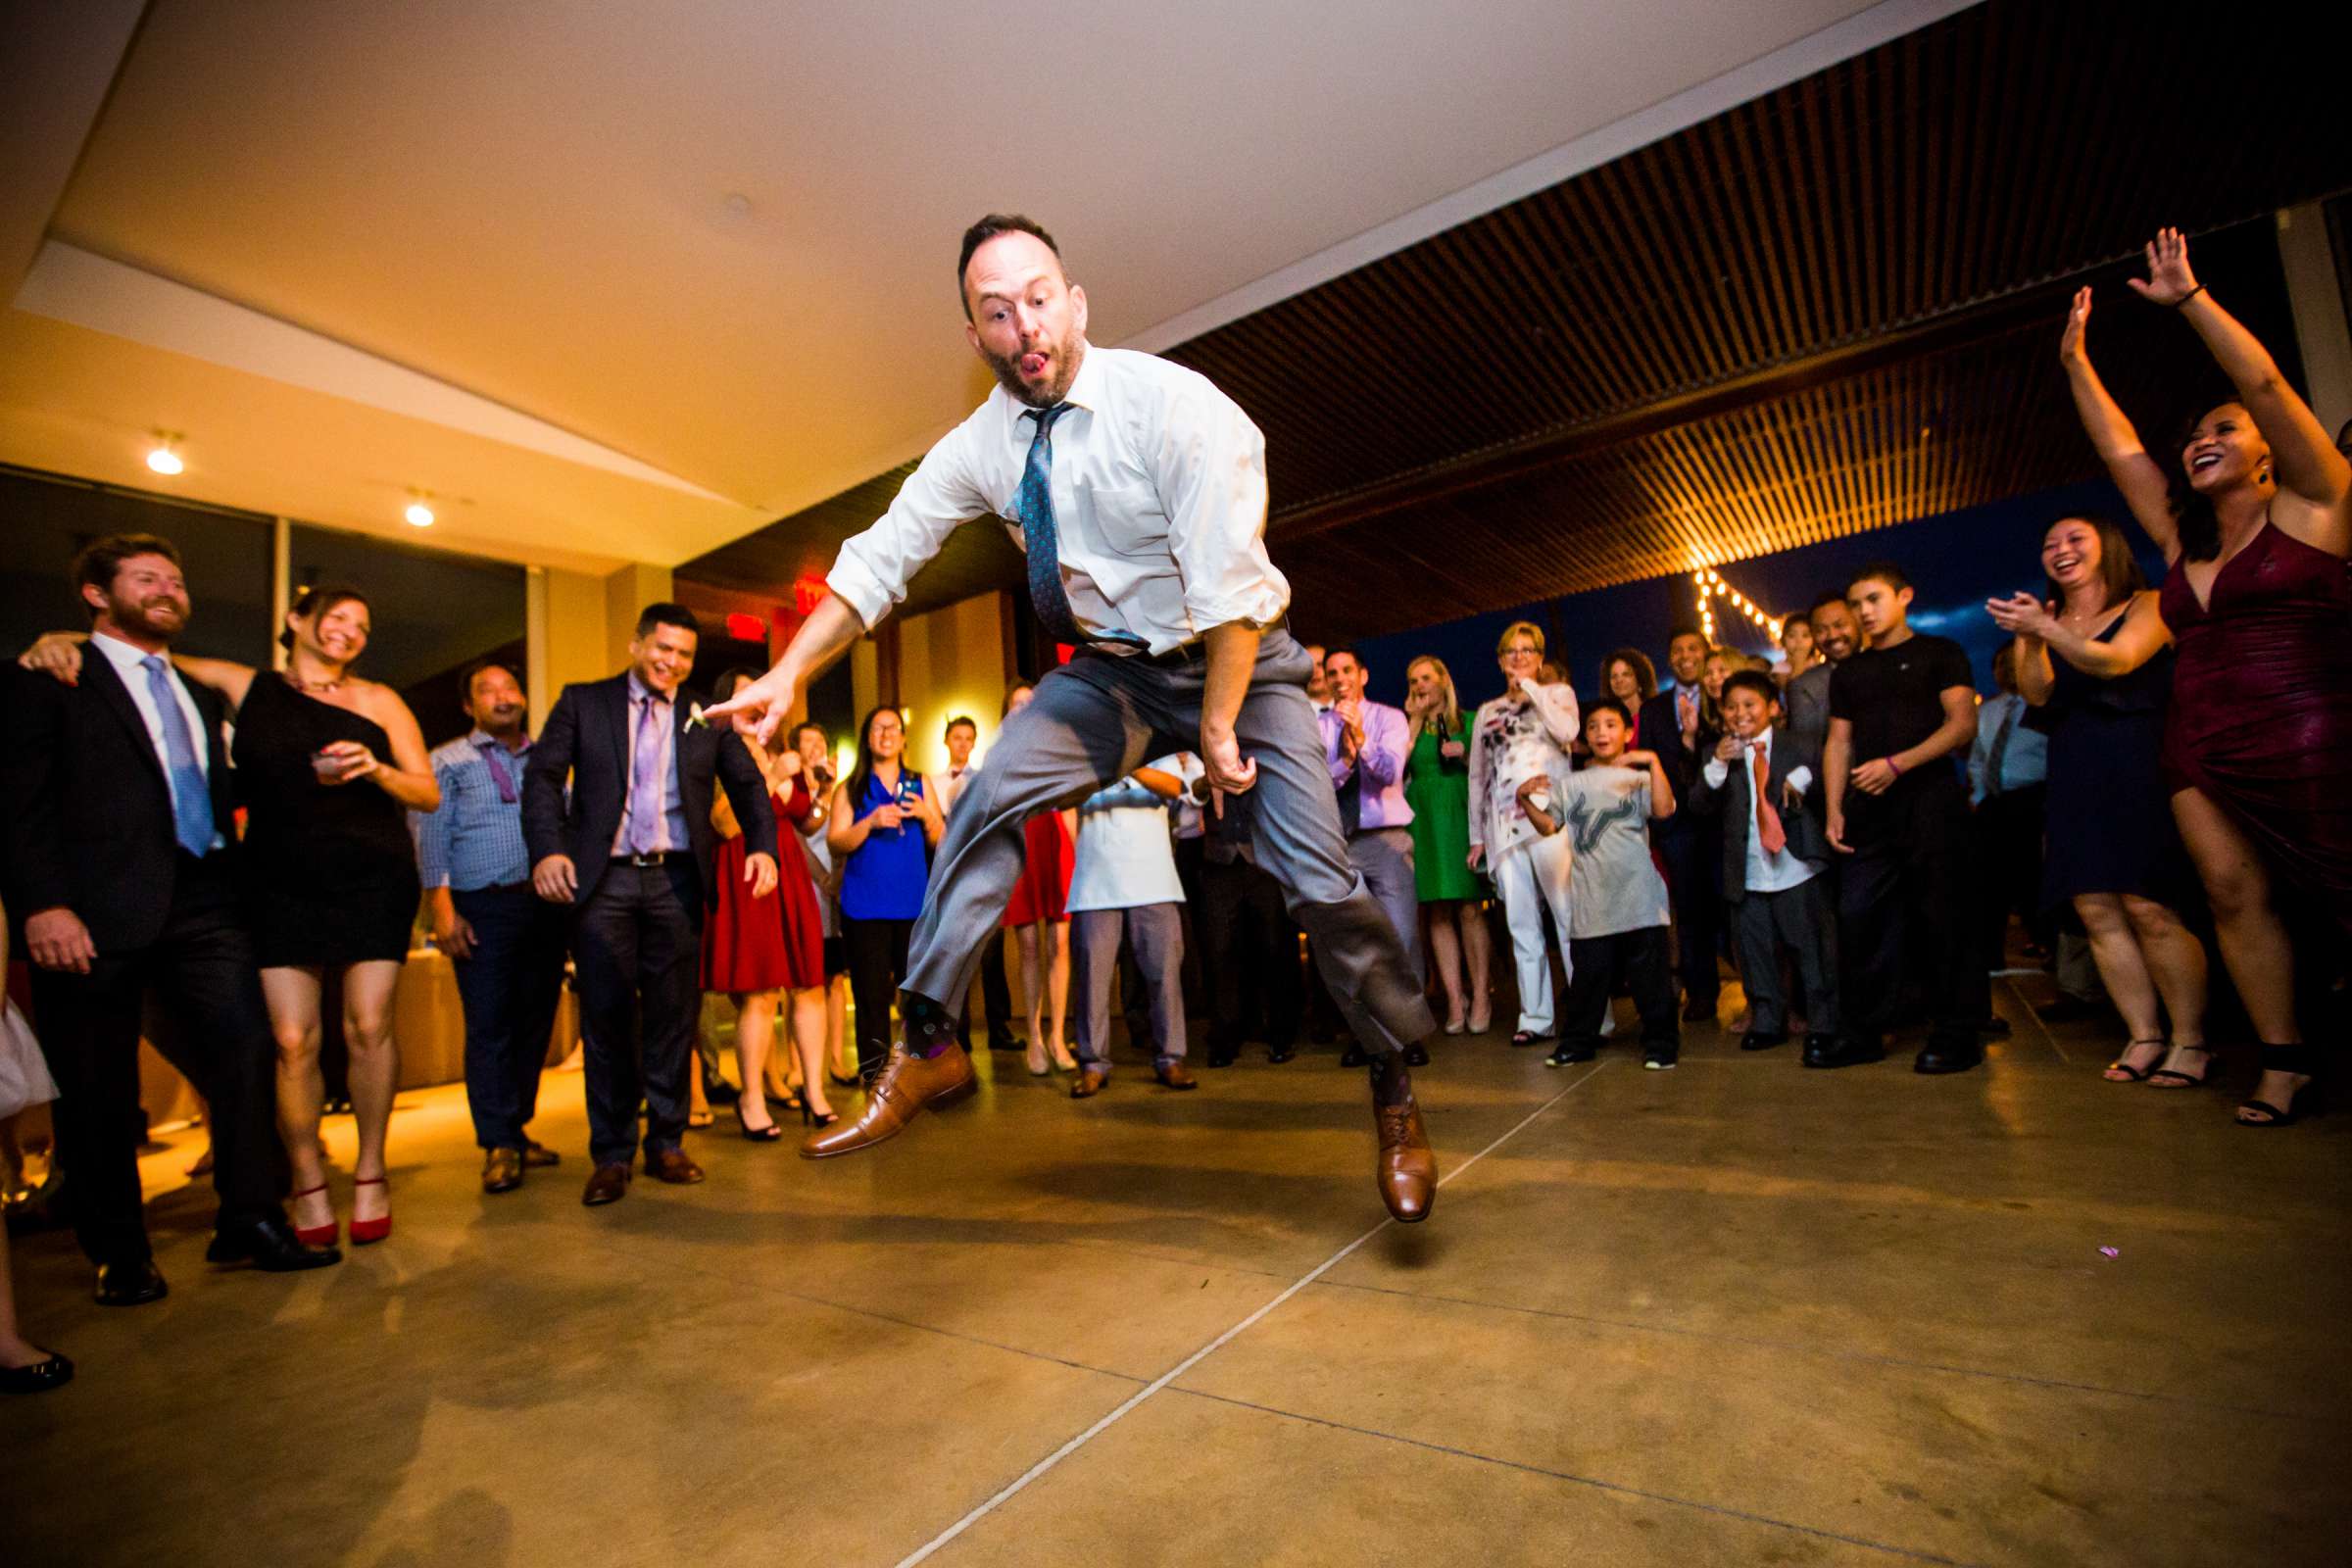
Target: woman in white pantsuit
<point x="1523" y="734"/>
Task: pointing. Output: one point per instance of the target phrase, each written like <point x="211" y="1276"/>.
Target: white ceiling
<point x="528" y="206"/>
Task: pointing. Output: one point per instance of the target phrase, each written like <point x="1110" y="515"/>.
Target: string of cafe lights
<point x="1710" y="586"/>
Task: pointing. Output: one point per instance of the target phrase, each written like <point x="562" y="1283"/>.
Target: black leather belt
<point x="650" y="858"/>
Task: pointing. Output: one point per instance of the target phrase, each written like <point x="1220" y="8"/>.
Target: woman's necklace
<point x="312" y="688"/>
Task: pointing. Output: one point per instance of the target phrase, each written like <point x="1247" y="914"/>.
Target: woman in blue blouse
<point x="883" y="828"/>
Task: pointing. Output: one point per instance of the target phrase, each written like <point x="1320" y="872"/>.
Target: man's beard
<point x="1008" y="376"/>
<point x="134" y="616"/>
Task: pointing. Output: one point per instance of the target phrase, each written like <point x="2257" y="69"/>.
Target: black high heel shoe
<point x="757" y="1135"/>
<point x="2308" y="1100"/>
<point x="819" y="1119"/>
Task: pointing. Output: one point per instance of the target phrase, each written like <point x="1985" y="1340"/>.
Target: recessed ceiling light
<point x="420" y="514"/>
<point x="163" y="459"/>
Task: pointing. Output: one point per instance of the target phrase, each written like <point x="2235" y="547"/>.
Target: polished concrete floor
<point x="1737" y="1313"/>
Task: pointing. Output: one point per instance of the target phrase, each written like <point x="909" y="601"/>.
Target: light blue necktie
<point x="191" y="800"/>
<point x="1043" y="540"/>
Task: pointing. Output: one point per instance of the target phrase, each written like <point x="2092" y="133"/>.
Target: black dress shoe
<point x="39" y="1378"/>
<point x="130" y="1284"/>
<point x="269" y="1245"/>
<point x="1942" y="1057"/>
<point x="1276" y="1055"/>
<point x="1697" y="1010"/>
<point x="607" y="1184"/>
<point x="1841" y="1050"/>
<point x="1995" y="1028"/>
<point x="1353" y="1056"/>
<point x="1758" y="1040"/>
<point x="1223" y="1059"/>
<point x="1416" y="1055"/>
<point x="1007" y="1041"/>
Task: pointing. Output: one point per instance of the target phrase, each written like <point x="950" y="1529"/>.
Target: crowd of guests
<point x="1846" y="829"/>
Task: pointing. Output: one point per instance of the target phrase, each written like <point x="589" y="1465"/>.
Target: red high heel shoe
<point x="365" y="1230"/>
<point x="316" y="1235"/>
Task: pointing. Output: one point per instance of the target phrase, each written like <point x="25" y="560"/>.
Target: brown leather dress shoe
<point x="607" y="1184"/>
<point x="502" y="1170"/>
<point x="1090" y="1079"/>
<point x="1406" y="1171"/>
<point x="1176" y="1075"/>
<point x="536" y="1154"/>
<point x="672" y="1166"/>
<point x="905" y="1086"/>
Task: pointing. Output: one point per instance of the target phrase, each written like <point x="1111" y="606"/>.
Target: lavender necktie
<point x="647" y="795"/>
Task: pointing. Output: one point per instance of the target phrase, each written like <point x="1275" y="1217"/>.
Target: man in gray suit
<point x="1775" y="848"/>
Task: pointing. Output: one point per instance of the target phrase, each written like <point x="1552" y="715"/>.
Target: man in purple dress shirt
<point x="1364" y="744"/>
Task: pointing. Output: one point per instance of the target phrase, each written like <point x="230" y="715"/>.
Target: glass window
<point x="46" y="521"/>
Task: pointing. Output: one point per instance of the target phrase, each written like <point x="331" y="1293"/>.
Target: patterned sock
<point x="929" y="1028"/>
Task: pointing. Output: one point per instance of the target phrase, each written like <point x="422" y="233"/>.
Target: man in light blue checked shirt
<point x="505" y="944"/>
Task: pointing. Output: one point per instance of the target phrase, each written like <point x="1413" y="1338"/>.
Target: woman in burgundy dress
<point x="2258" y="739"/>
<point x="1039" y="919"/>
<point x="761" y="949"/>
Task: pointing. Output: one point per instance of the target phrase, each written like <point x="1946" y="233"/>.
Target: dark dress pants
<point x="1803" y="923"/>
<point x="1694" y="860"/>
<point x="1909" y="875"/>
<point x="638" y="944"/>
<point x="995" y="998"/>
<point x="1248" y="942"/>
<point x="508" y="989"/>
<point x="2009" y="830"/>
<point x="201" y="969"/>
<point x="877" y="968"/>
<point x="1638" y="961"/>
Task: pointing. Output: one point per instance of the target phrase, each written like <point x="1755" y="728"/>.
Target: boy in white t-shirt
<point x="1125" y="880"/>
<point x="1618" y="912"/>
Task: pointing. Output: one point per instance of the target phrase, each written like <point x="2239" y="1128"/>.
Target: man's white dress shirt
<point x="1159" y="504"/>
<point x="127" y="661"/>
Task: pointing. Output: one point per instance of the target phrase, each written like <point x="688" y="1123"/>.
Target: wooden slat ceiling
<point x="1832" y="308"/>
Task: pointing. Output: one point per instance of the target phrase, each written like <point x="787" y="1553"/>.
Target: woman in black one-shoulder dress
<point x="328" y="766"/>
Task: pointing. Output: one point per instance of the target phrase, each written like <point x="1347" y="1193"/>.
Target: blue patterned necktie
<point x="1039" y="535"/>
<point x="191" y="800"/>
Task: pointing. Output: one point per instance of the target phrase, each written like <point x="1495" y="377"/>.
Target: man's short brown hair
<point x="97" y="562"/>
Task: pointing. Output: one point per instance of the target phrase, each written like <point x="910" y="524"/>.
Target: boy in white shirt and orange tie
<point x="1775" y="847"/>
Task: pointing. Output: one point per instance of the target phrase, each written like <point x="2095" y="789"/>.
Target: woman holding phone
<point x="883" y="825"/>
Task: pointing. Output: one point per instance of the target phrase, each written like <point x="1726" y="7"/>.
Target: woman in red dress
<point x="2258" y="740"/>
<point x="760" y="949"/>
<point x="1039" y="919"/>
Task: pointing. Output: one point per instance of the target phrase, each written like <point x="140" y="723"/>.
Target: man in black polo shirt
<point x="1900" y="714"/>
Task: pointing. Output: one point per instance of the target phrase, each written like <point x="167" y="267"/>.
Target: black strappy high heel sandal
<point x="2175" y="1078"/>
<point x="2132" y="1074"/>
<point x="2303" y="1063"/>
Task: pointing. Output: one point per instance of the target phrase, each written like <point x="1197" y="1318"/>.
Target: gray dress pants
<point x="1097" y="719"/>
<point x="1157" y="933"/>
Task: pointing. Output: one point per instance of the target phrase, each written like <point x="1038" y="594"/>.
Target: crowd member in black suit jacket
<point x="115" y="811"/>
<point x="1776" y="847"/>
<point x="1674" y="724"/>
<point x="630" y="849"/>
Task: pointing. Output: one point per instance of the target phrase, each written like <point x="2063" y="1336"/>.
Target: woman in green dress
<point x="1437" y="785"/>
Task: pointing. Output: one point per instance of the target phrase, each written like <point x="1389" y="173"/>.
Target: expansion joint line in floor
<point x="1127" y="1406"/>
